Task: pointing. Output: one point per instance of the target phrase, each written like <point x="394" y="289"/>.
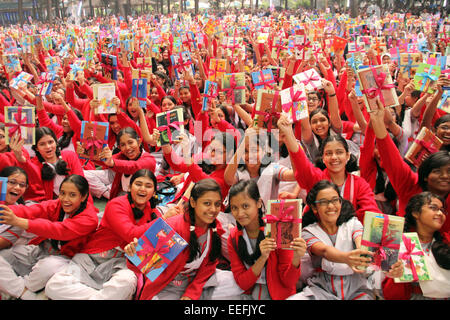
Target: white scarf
<point x="195" y="264"/>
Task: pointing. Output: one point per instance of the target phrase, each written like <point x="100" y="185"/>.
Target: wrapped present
<point x="182" y="63"/>
<point x="45" y="83"/>
<point x="263" y="79"/>
<point x="364" y="42"/>
<point x="444" y="104"/>
<point x="278" y="75"/>
<point x="294" y="103"/>
<point x="262" y="37"/>
<point x="310" y="78"/>
<point x="157" y="248"/>
<point x="139" y="91"/>
<point x="355" y="60"/>
<point x="425" y="76"/>
<point x="109" y="65"/>
<point x="171" y="126"/>
<point x="20" y="120"/>
<point x="409" y="62"/>
<point x="353" y="47"/>
<point x="233" y="84"/>
<point x="375" y="82"/>
<point x="77" y="66"/>
<point x="283" y="221"/>
<point x="444" y="62"/>
<point x="52" y="64"/>
<point x="339" y="45"/>
<point x="10" y="47"/>
<point x="302" y="47"/>
<point x="267" y="109"/>
<point x="379" y="45"/>
<point x="395" y="55"/>
<point x="27" y="44"/>
<point x="188" y="40"/>
<point x="22" y="79"/>
<point x="414" y="264"/>
<point x="94" y="137"/>
<point x="47" y="43"/>
<point x="279" y="47"/>
<point x="216" y="69"/>
<point x="12" y="63"/>
<point x="126" y="41"/>
<point x="234" y="45"/>
<point x="144" y="63"/>
<point x="426" y="143"/>
<point x="382" y="235"/>
<point x="104" y="92"/>
<point x="211" y="92"/>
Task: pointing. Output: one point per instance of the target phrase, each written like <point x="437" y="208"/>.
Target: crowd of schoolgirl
<point x="342" y="160"/>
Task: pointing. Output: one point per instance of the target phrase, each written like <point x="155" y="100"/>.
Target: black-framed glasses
<point x="325" y="202"/>
<point x="14" y="183"/>
<point x="436" y="209"/>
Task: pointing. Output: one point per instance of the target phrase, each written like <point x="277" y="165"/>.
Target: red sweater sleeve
<point x="195" y="98"/>
<point x="367" y="163"/>
<point x="146" y="161"/>
<point x="396" y="291"/>
<point x="309" y="175"/>
<point x="74" y="102"/>
<point x="45" y="121"/>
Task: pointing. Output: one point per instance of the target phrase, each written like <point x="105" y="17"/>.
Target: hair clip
<point x="192" y="228"/>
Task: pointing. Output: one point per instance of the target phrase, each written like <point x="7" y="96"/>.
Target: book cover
<point x="279" y="48"/>
<point x="109" y="66"/>
<point x="233" y="84"/>
<point x="45" y="84"/>
<point x="94" y="137"/>
<point x="171" y="125"/>
<point x="21" y="120"/>
<point x="21" y="80"/>
<point x="426" y="143"/>
<point x="278" y="75"/>
<point x="265" y="107"/>
<point x="105" y="92"/>
<point x="139" y="91"/>
<point x="382" y="235"/>
<point x="12" y="63"/>
<point x="310" y="78"/>
<point x="211" y="91"/>
<point x="283" y="221"/>
<point x="3" y="187"/>
<point x="414" y="264"/>
<point x="156" y="249"/>
<point x="52" y="64"/>
<point x="182" y="64"/>
<point x="426" y="75"/>
<point x="409" y="62"/>
<point x="217" y="68"/>
<point x="263" y="79"/>
<point x="444" y="104"/>
<point x="293" y="102"/>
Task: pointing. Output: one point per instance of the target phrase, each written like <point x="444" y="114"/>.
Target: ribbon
<point x="91" y="143"/>
<point x="385" y="242"/>
<point x="212" y="93"/>
<point x="175" y="125"/>
<point x="161" y="248"/>
<point x="181" y="66"/>
<point x="20" y="122"/>
<point x="409" y="246"/>
<point x="279" y="46"/>
<point x="264" y="83"/>
<point x="46" y="78"/>
<point x="233" y="86"/>
<point x="12" y="63"/>
<point x="268" y="115"/>
<point x="371" y="93"/>
<point x="409" y="66"/>
<point x="305" y="45"/>
<point x="427" y="76"/>
<point x="309" y="78"/>
<point x="295" y="97"/>
<point x="284" y="215"/>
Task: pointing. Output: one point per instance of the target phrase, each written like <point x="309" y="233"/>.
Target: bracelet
<point x="332" y="95"/>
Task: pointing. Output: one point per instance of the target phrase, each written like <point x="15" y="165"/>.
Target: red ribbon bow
<point x="309" y="78"/>
<point x="268" y="115"/>
<point x="214" y="71"/>
<point x="20" y="122"/>
<point x="385" y="242"/>
<point x="149" y="251"/>
<point x="379" y="81"/>
<point x="264" y="83"/>
<point x="91" y="143"/>
<point x="181" y="66"/>
<point x="175" y="125"/>
<point x="229" y="92"/>
<point x="284" y="215"/>
<point x="409" y="246"/>
<point x="295" y="97"/>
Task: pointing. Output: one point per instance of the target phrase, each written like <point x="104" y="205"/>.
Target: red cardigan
<point x="180" y="223"/>
<point x="118" y="226"/>
<point x="362" y="197"/>
<point x="404" y="181"/>
<point x="281" y="275"/>
<point x="43" y="222"/>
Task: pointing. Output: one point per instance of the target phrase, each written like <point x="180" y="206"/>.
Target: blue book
<point x="3" y="186"/>
<point x="263" y="79"/>
<point x="210" y="93"/>
<point x="156" y="249"/>
<point x="139" y="91"/>
<point x="182" y="63"/>
<point x="109" y="64"/>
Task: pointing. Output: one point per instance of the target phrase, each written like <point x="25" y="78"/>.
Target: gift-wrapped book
<point x="267" y="109"/>
<point x="171" y="125"/>
<point x="94" y="137"/>
<point x="20" y="120"/>
<point x="426" y="143"/>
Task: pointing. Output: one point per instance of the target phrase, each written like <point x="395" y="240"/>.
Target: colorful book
<point x="426" y="143"/>
<point x="217" y="68"/>
<point x="278" y="75"/>
<point x="211" y="92"/>
<point x="104" y="92"/>
<point x="263" y="79"/>
<point x="279" y="48"/>
<point x="382" y="235"/>
<point x="283" y="221"/>
<point x="12" y="63"/>
<point x="45" y="84"/>
<point x="21" y="120"/>
<point x="182" y="64"/>
<point x="409" y="62"/>
<point x="444" y="104"/>
<point x="415" y="267"/>
<point x="94" y="137"/>
<point x="3" y="188"/>
<point x="21" y="80"/>
<point x="426" y="75"/>
<point x="310" y="78"/>
<point x="139" y="91"/>
<point x="170" y="125"/>
<point x="109" y="65"/>
<point x="267" y="109"/>
<point x="52" y="64"/>
<point x="293" y="102"/>
<point x="157" y="248"/>
<point x="233" y="84"/>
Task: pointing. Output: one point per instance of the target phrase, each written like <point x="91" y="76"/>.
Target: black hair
<point x="48" y="172"/>
<point x="64" y="141"/>
<point x="138" y="213"/>
<point x="347" y="210"/>
<point x="440" y="249"/>
<point x="82" y="185"/>
<point x="227" y="141"/>
<point x="200" y="188"/>
<point x="10" y="170"/>
<point x="2" y="127"/>
<point x="133" y="134"/>
<point x="352" y="163"/>
<point x="441" y="120"/>
<point x="250" y="187"/>
<point x="434" y="161"/>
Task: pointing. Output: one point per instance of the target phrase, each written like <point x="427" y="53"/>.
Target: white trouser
<point x="100" y="182"/>
<point x="65" y="285"/>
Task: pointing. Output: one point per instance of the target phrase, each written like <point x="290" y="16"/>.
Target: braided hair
<point x="138" y="213"/>
<point x="48" y="172"/>
<point x="200" y="188"/>
<point x="250" y="187"/>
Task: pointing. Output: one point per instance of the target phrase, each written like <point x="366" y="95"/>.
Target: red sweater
<point x="281" y="275"/>
<point x="180" y="223"/>
<point x="43" y="222"/>
<point x="118" y="226"/>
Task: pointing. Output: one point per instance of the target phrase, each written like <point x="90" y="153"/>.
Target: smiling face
<point x="167" y="105"/>
<point x="70" y="197"/>
<point x="442" y="132"/>
<point x="206" y="208"/>
<point x="320" y="125"/>
<point x="438" y="180"/>
<point x="3" y="146"/>
<point x="16" y="187"/>
<point x="132" y="108"/>
<point x="114" y="124"/>
<point x="431" y="216"/>
<point x="65" y="124"/>
<point x="335" y="156"/>
<point x="245" y="210"/>
<point x="185" y="95"/>
<point x="46" y="146"/>
<point x="142" y="190"/>
<point x="129" y="146"/>
<point x="328" y="213"/>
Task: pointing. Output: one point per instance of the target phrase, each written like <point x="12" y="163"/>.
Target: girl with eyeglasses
<point x="425" y="214"/>
<point x="333" y="236"/>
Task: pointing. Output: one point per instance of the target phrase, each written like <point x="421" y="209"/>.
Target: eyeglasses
<point x="14" y="183"/>
<point x="324" y="202"/>
<point x="436" y="209"/>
